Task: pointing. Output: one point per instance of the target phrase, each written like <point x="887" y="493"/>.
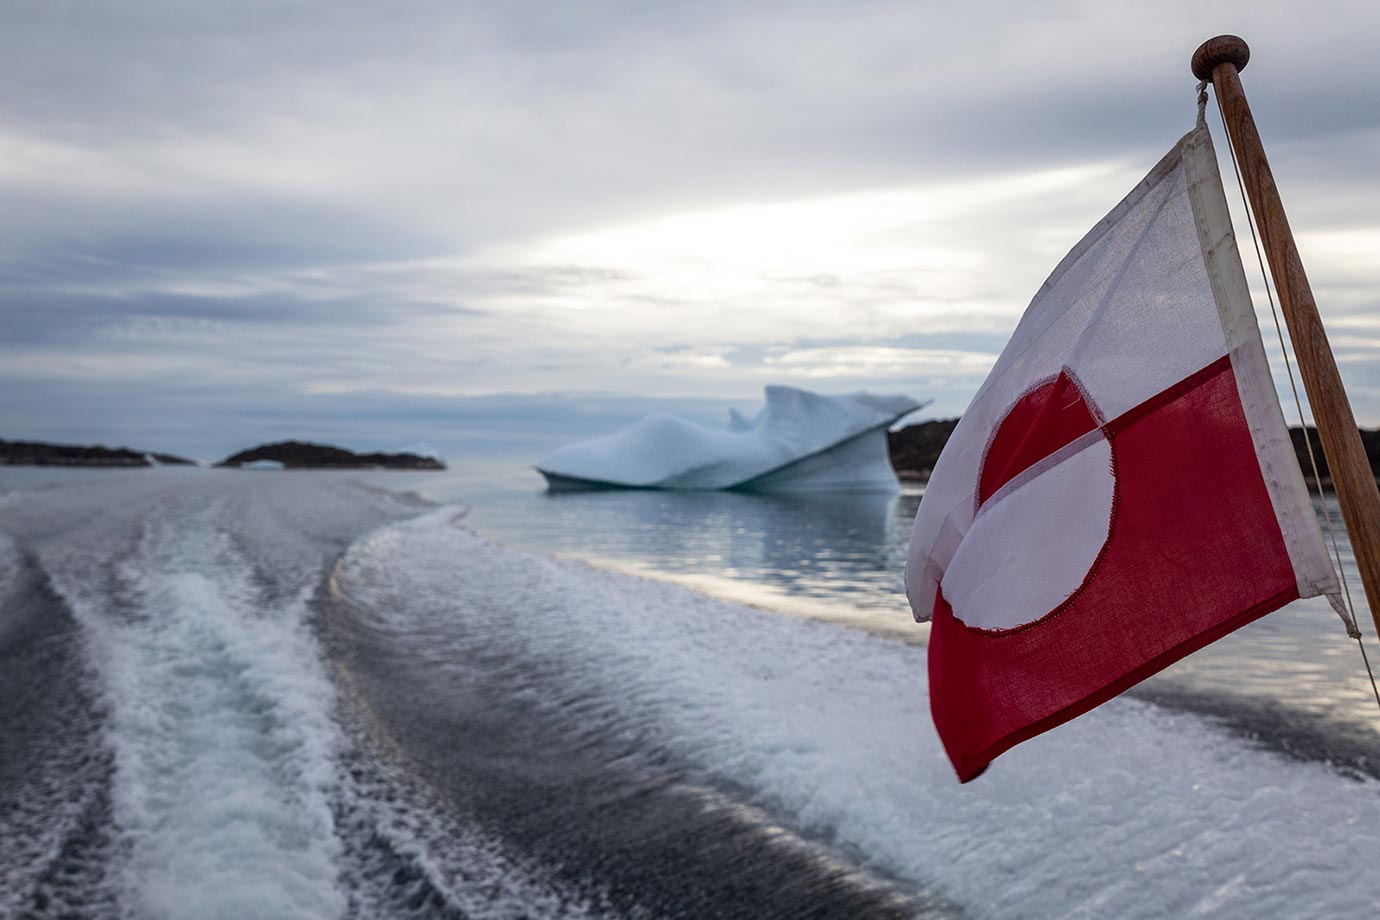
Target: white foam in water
<point x="1131" y="811"/>
<point x="235" y="792"/>
<point x="11" y="564"/>
<point x="221" y="727"/>
<point x="468" y="870"/>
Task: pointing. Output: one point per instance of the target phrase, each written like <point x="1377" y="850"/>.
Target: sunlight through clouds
<point x="863" y="266"/>
<point x="883" y="362"/>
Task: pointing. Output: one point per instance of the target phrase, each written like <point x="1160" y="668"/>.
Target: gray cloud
<point x="287" y="218"/>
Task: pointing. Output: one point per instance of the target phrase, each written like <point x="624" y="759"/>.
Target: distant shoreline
<point x="39" y="453"/>
<point x="286" y="455"/>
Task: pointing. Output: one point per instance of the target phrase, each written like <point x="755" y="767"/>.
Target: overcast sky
<point x="508" y="223"/>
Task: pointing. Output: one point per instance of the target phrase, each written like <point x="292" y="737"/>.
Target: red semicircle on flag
<point x="1047" y="457"/>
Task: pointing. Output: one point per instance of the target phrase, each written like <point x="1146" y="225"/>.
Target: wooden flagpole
<point x="1219" y="60"/>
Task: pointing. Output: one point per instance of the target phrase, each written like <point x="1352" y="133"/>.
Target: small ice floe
<point x="263" y="465"/>
<point x="800" y="441"/>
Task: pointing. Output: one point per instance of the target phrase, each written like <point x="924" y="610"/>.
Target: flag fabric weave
<point x="1122" y="490"/>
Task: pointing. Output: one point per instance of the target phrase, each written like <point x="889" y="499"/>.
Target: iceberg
<point x="800" y="441"/>
<point x="263" y="465"/>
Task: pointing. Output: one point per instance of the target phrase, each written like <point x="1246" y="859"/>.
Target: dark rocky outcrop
<point x="38" y="453"/>
<point x="1370" y="440"/>
<point x="915" y="448"/>
<point x="301" y="455"/>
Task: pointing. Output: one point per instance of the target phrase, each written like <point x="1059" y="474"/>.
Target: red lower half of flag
<point x="1193" y="551"/>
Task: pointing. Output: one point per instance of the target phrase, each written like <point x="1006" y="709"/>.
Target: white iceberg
<point x="800" y="441"/>
<point x="263" y="465"/>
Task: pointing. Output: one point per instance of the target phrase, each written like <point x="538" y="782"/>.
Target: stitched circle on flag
<point x="1046" y="497"/>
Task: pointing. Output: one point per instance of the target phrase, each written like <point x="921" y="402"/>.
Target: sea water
<point x="1292" y="678"/>
<point x="229" y="694"/>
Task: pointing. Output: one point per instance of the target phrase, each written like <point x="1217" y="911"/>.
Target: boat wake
<point x="54" y="767"/>
<point x="220" y="725"/>
<point x="1133" y="811"/>
<point x="206" y="766"/>
<point x="224" y="696"/>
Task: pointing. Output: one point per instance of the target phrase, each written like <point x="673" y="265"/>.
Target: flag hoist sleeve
<point x="1122" y="490"/>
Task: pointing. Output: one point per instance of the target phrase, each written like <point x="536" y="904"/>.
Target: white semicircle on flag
<point x="1033" y="543"/>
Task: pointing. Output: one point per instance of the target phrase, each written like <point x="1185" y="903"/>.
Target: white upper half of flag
<point x="1153" y="294"/>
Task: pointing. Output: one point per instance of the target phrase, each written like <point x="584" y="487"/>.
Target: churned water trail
<point x="54" y="768"/>
<point x="219" y="722"/>
<point x="213" y="688"/>
<point x="1133" y="811"/>
<point x="245" y="741"/>
<point x="628" y="823"/>
<point x="173" y="746"/>
<point x="1291" y="679"/>
<point x="226" y="695"/>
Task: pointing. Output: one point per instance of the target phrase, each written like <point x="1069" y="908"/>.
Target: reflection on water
<point x="837" y="555"/>
<point x="820" y="547"/>
<point x="842" y="557"/>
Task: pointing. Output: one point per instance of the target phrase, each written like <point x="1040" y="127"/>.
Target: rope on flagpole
<point x="1347" y="613"/>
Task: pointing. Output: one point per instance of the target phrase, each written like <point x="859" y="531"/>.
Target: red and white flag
<point x="1122" y="490"/>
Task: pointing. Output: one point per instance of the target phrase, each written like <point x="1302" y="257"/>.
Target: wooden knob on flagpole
<point x="1224" y="49"/>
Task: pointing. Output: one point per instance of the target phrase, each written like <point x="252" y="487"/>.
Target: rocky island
<point x="1370" y="440"/>
<point x="302" y="455"/>
<point x="915" y="448"/>
<point x="39" y="453"/>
